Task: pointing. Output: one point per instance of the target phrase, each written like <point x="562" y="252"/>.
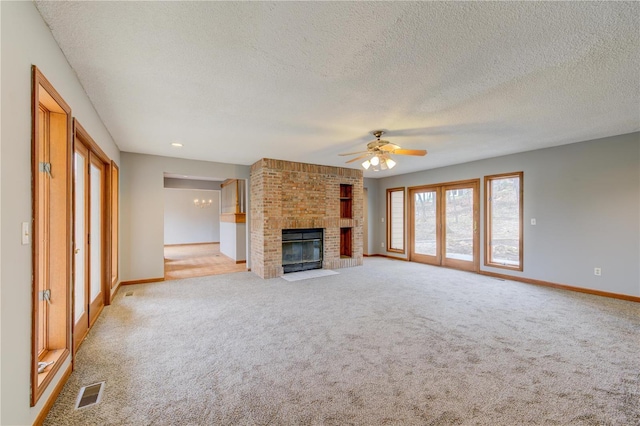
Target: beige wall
<point x="142" y="204"/>
<point x="26" y="40"/>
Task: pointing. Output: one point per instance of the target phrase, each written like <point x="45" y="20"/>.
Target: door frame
<point x="440" y="259"/>
<point x="81" y="136"/>
<point x="96" y="305"/>
<point x="81" y="325"/>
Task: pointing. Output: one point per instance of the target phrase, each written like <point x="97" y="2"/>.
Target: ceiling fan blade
<point x="353" y="153"/>
<point x="390" y="147"/>
<point x="358" y="158"/>
<point x="420" y="152"/>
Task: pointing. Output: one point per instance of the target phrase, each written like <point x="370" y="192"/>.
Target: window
<point x="51" y="244"/>
<point x="503" y="221"/>
<point x="395" y="220"/>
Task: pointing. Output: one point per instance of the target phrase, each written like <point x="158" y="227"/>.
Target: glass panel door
<point x="96" y="265"/>
<point x="460" y="226"/>
<point x="80" y="246"/>
<point x="80" y="303"/>
<point x="91" y="195"/>
<point x="443" y="224"/>
<point x="425" y="219"/>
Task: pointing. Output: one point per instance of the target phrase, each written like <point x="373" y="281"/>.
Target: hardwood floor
<point x="197" y="260"/>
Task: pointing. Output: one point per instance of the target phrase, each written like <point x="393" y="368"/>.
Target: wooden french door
<point x="89" y="265"/>
<point x="443" y="224"/>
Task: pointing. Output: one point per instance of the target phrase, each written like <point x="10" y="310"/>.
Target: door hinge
<point x="46" y="168"/>
<point x="45" y="295"/>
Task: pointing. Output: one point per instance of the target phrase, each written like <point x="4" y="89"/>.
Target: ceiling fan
<point x="379" y="152"/>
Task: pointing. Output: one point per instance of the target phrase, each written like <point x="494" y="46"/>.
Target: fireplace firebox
<point x="301" y="249"/>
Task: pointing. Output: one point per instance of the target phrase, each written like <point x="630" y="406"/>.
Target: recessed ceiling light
<point x="176" y="144"/>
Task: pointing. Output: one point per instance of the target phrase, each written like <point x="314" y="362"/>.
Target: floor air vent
<point x="89" y="395"/>
<point x="129" y="293"/>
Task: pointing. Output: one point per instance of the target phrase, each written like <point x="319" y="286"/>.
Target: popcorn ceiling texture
<point x="304" y="81"/>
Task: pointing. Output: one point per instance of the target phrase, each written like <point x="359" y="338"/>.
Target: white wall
<point x="185" y="223"/>
<point x="142" y="201"/>
<point x="585" y="198"/>
<point x="26" y="40"/>
<point x="233" y="240"/>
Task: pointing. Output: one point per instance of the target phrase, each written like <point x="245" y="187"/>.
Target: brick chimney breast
<point x="289" y="195"/>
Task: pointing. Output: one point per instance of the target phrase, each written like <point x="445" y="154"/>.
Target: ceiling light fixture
<point x="202" y="203"/>
<point x="379" y="161"/>
<point x="176" y="144"/>
<point x="378" y="153"/>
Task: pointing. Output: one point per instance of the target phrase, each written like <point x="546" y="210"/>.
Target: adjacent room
<point x="196" y="241"/>
<point x="421" y="213"/>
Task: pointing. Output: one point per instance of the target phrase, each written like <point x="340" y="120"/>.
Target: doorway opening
<point x="196" y="241"/>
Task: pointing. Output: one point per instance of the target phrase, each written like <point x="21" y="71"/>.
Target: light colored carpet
<point x="387" y="343"/>
<point x="305" y="275"/>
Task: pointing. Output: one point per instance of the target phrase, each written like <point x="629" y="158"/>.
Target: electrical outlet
<point x="382" y="219"/>
<point x="597" y="271"/>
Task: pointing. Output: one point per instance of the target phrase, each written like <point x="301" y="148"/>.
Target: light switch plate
<point x="533" y="221"/>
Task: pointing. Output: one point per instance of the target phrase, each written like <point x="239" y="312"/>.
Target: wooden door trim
<point x="453" y="183"/>
<point x="94" y="155"/>
<point x="95" y="306"/>
<point x="439" y="189"/>
<point x="463" y="264"/>
<point x="80" y="133"/>
<point x="413" y="256"/>
<point x="80" y="328"/>
<point x="114" y="228"/>
<point x="82" y="136"/>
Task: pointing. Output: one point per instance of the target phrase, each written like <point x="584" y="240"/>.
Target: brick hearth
<point x="287" y="195"/>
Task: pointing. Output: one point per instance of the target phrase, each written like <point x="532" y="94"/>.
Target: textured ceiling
<point x="300" y="81"/>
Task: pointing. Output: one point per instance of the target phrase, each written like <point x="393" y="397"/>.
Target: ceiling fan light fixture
<point x="390" y="163"/>
<point x="378" y="153"/>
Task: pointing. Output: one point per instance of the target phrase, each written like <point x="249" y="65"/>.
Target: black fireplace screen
<point x="301" y="249"/>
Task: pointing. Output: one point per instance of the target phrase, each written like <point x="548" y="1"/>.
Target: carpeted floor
<point x="387" y="343"/>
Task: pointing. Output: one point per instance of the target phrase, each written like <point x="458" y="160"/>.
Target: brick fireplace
<point x="287" y="195"/>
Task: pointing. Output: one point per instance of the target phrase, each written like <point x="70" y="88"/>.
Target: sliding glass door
<point x="425" y="244"/>
<point x="444" y="224"/>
